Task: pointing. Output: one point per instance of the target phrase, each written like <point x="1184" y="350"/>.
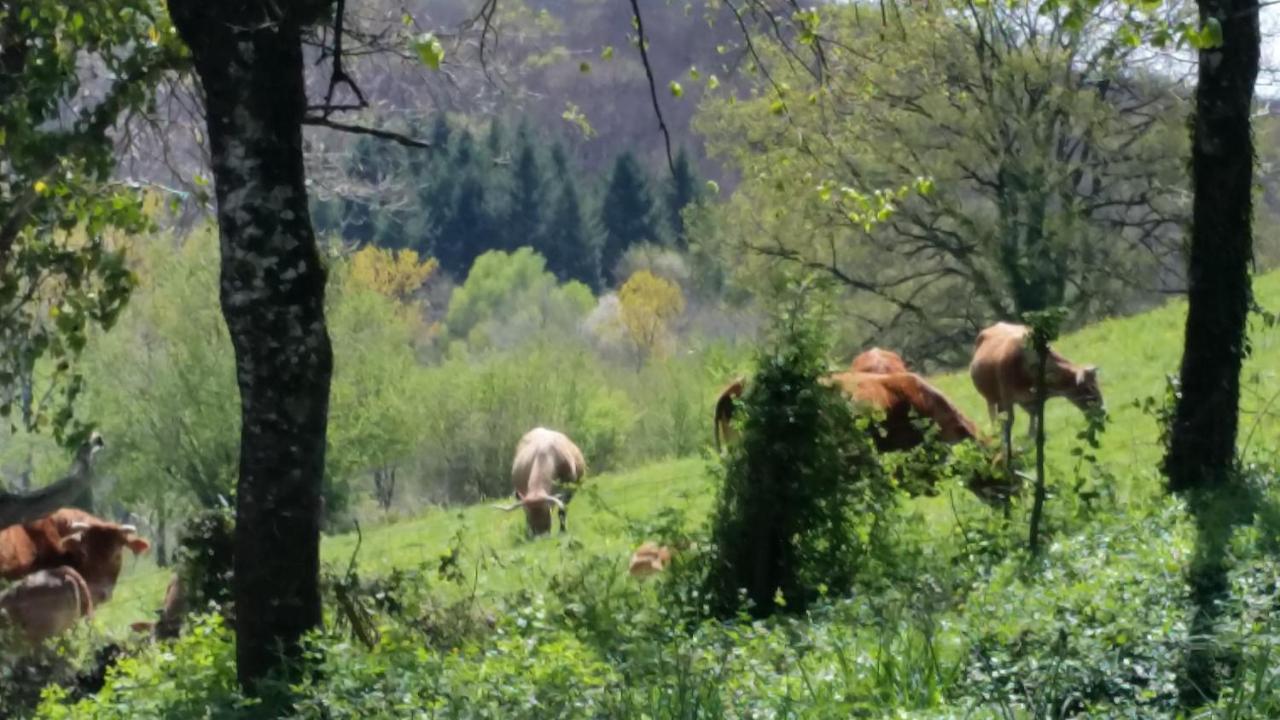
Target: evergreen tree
<point x="570" y="246"/>
<point x="681" y="192"/>
<point x="527" y="197"/>
<point x="626" y="213"/>
<point x="440" y="133"/>
<point x="495" y="141"/>
<point x="467" y="231"/>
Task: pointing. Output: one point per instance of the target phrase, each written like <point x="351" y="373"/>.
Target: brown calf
<point x="46" y="603"/>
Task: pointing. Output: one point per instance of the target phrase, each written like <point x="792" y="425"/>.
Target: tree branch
<point x="653" y="86"/>
<point x="395" y="137"/>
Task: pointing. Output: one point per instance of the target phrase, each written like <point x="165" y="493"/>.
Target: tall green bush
<point x="803" y="496"/>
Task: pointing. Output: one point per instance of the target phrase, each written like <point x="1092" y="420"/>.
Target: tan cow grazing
<point x="1004" y="372"/>
<point x="902" y="397"/>
<point x="543" y="459"/>
<point x="46" y="603"/>
<point x="649" y="559"/>
<point x="878" y="361"/>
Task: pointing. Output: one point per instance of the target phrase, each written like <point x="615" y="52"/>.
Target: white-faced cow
<point x="545" y="461"/>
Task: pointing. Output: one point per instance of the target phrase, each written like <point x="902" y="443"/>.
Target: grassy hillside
<point x="1134" y="355"/>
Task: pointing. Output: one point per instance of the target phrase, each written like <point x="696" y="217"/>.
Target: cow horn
<point x="558" y="502"/>
<point x="129" y="528"/>
<point x="80" y="525"/>
<point x="510" y="507"/>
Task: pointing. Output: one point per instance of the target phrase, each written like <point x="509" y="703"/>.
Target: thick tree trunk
<point x="1202" y="444"/>
<point x="249" y="58"/>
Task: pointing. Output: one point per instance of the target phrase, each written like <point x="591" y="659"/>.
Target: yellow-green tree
<point x="647" y="306"/>
<point x="394" y="274"/>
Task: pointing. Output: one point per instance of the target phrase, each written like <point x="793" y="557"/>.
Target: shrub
<point x="803" y="495"/>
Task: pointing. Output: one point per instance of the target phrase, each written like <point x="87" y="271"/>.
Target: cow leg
<point x="563" y="515"/>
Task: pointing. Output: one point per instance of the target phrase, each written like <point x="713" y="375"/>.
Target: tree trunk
<point x="249" y="59"/>
<point x="1202" y="442"/>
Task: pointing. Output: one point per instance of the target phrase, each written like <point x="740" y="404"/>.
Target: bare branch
<point x="643" y="42"/>
<point x="395" y="137"/>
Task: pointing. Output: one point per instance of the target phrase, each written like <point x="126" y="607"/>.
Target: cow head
<point x="1085" y="393"/>
<point x="97" y="551"/>
<point x="537" y="511"/>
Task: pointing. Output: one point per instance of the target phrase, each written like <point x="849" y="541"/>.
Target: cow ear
<point x="138" y="545"/>
<point x="1091" y="372"/>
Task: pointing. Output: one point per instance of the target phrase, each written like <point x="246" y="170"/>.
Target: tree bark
<point x="249" y="59"/>
<point x="15" y="509"/>
<point x="1203" y="438"/>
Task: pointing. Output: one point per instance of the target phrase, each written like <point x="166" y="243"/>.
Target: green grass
<point x="1134" y="355"/>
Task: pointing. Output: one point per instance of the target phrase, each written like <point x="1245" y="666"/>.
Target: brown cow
<point x="91" y="546"/>
<point x="544" y="457"/>
<point x="726" y="402"/>
<point x="878" y="361"/>
<point x="902" y="397"/>
<point x="873" y="361"/>
<point x="1003" y="370"/>
<point x="95" y="548"/>
<point x="46" y="603"/>
<point x="171" y="614"/>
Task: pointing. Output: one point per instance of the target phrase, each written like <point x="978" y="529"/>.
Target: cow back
<point x="47" y="603"/>
<point x="26" y="548"/>
<point x="878" y="361"/>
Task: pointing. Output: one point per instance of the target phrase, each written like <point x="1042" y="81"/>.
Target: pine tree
<point x="681" y="192"/>
<point x="526" y="198"/>
<point x="570" y="246"/>
<point x="440" y="133"/>
<point x="626" y="213"/>
<point x="467" y="232"/>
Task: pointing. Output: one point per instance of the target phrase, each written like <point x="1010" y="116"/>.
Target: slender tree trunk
<point x="1037" y="417"/>
<point x="1203" y="439"/>
<point x="249" y="59"/>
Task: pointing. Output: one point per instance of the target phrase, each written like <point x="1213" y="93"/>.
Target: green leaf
<point x="676" y="89"/>
<point x="429" y="50"/>
<point x="713" y="82"/>
<point x="584" y="67"/>
<point x="607" y="53"/>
